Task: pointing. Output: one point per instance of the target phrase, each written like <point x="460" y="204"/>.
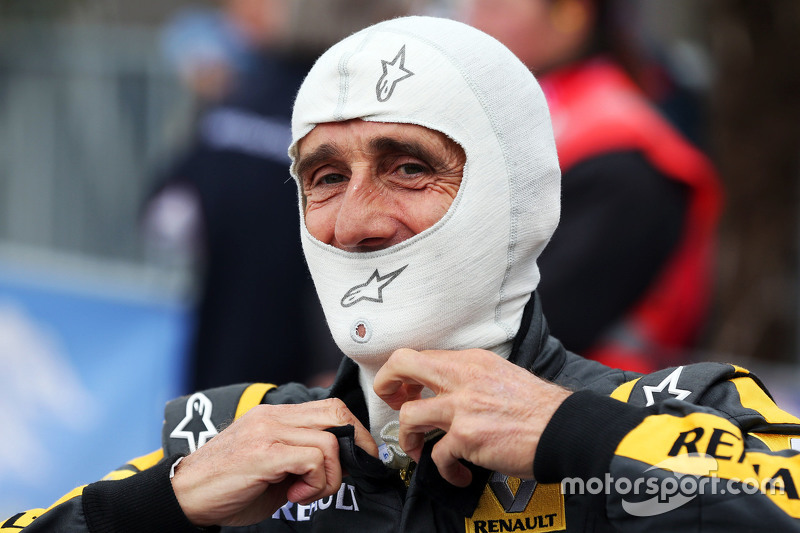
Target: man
<point x="427" y="194"/>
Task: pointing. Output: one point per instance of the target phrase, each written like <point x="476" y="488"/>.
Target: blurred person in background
<point x="627" y="276"/>
<point x="208" y="51"/>
<point x="229" y="202"/>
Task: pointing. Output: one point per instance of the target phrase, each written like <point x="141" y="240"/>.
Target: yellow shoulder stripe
<point x="146" y="461"/>
<point x="623" y="392"/>
<point x="74" y="493"/>
<point x="775" y="442"/>
<point x="15" y="523"/>
<point x="251" y="397"/>
<point x="706" y="445"/>
<point x="740" y="369"/>
<point x="116" y="475"/>
<point x="140" y="463"/>
<point x="651" y="442"/>
<point x="25" y="519"/>
<point x="753" y="397"/>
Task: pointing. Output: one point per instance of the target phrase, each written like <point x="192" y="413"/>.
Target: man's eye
<point x="331" y="179"/>
<point x="409" y="169"/>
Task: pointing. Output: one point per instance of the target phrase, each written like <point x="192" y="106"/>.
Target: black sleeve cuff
<point x="143" y="502"/>
<point x="582" y="436"/>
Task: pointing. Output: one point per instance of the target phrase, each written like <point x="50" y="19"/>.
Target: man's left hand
<point x="494" y="412"/>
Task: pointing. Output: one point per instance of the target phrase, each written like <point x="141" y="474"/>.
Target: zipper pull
<point x="406" y="473"/>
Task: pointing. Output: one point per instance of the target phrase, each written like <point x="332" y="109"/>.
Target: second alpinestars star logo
<point x="394" y="71"/>
<point x="196" y="427"/>
<point x="371" y="290"/>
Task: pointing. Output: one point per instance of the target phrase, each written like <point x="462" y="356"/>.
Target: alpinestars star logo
<point x="670" y="383"/>
<point x="372" y="290"/>
<point x="196" y="427"/>
<point x="394" y="71"/>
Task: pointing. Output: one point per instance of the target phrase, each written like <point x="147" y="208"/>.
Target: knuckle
<point x="440" y="455"/>
<point x="406" y="413"/>
<point x="311" y="463"/>
<point x="402" y="353"/>
<point x="333" y="403"/>
<point x="460" y="433"/>
<point x="254" y="421"/>
<point x="317" y="458"/>
<point x="336" y="410"/>
<point x="258" y="411"/>
<point x="330" y="443"/>
<point x="341" y="412"/>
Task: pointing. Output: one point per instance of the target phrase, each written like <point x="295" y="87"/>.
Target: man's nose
<point x="364" y="221"/>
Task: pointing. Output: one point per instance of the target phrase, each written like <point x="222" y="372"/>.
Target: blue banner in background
<point x="84" y="375"/>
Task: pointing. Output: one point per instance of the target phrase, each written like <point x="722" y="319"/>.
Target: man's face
<point x="370" y="185"/>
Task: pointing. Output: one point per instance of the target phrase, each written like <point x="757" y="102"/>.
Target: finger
<point x="412" y="442"/>
<point x="292" y="452"/>
<point x="318" y="415"/>
<point x="342" y="416"/>
<point x="404" y="375"/>
<point x="446" y="458"/>
<point x="364" y="440"/>
<point x="419" y="417"/>
<point x="313" y="481"/>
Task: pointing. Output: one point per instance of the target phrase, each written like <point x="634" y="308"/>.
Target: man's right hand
<point x="272" y="454"/>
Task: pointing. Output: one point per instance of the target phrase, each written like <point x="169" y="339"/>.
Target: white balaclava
<point x="464" y="282"/>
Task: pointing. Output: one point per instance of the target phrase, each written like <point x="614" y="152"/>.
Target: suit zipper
<point x="407" y="472"/>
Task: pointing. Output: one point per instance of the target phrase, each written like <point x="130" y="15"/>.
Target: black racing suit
<point x="594" y="465"/>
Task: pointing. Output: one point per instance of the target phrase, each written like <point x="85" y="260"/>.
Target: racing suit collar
<point x="533" y="349"/>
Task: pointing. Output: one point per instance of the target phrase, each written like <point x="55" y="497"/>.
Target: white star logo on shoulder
<point x="372" y="290"/>
<point x="672" y="382"/>
<point x="393" y="72"/>
<point x="196" y="427"/>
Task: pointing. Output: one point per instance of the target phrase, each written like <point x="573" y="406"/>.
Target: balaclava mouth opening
<point x="464" y="282"/>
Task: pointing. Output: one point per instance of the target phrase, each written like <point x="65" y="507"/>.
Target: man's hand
<point x="272" y="454"/>
<point x="493" y="411"/>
